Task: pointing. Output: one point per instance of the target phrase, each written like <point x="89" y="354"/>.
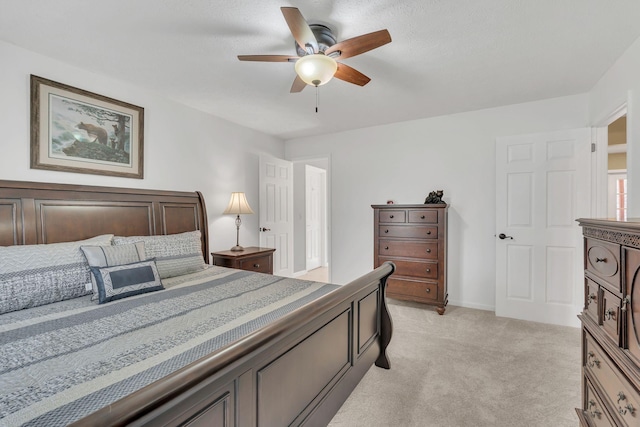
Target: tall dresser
<point x="414" y="238"/>
<point x="611" y="323"/>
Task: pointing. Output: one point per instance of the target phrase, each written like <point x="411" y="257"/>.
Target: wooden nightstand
<point x="251" y="259"/>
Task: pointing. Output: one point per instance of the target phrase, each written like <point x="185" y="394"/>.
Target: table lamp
<point x="238" y="205"/>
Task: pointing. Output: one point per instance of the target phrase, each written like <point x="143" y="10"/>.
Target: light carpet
<point x="469" y="368"/>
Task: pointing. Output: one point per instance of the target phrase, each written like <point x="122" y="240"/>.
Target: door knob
<point x="264" y="229"/>
<point x="503" y="236"/>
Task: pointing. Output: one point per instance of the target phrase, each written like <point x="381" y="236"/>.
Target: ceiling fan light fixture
<point x="316" y="69"/>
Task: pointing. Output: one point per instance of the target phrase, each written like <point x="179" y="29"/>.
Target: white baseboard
<point x="472" y="305"/>
<point x="300" y="273"/>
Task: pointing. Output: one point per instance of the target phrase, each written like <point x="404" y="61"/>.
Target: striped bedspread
<point x="63" y="361"/>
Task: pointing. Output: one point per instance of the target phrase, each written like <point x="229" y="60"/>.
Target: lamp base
<point x="237" y="248"/>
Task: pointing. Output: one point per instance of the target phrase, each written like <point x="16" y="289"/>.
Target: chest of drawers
<point x="414" y="238"/>
<point x="611" y="324"/>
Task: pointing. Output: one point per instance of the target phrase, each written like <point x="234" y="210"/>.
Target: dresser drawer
<point x="392" y="216"/>
<point x="603" y="260"/>
<point x="411" y="288"/>
<point x="611" y="316"/>
<point x="615" y="388"/>
<point x="422" y="250"/>
<point x="417" y="232"/>
<point x="258" y="264"/>
<point x="594" y="408"/>
<point x="423" y="216"/>
<point x="591" y="298"/>
<point x="426" y="270"/>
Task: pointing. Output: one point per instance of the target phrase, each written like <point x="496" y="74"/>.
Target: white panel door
<point x="276" y="212"/>
<point x="314" y="207"/>
<point x="542" y="187"/>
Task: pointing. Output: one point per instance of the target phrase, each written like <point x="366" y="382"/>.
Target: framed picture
<point x="74" y="130"/>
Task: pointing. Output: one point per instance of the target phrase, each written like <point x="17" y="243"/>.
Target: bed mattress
<point x="63" y="361"/>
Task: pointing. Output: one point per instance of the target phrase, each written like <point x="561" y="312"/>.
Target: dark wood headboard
<point x="33" y="213"/>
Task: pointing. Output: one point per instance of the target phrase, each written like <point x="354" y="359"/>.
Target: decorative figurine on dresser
<point x="611" y="323"/>
<point x="414" y="238"/>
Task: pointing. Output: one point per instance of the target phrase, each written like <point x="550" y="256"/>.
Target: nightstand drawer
<point x="258" y="264"/>
<point x="253" y="258"/>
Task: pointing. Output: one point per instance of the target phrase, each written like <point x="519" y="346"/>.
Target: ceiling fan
<point x="318" y="50"/>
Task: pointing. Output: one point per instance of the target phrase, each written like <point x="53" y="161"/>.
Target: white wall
<point x="404" y="161"/>
<point x="185" y="149"/>
<point x="620" y="85"/>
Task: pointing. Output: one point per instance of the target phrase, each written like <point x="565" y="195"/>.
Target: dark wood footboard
<point x="296" y="371"/>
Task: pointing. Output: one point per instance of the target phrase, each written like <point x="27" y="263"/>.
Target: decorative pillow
<point x="175" y="254"/>
<point x="123" y="281"/>
<point x="110" y="256"/>
<point x="33" y="275"/>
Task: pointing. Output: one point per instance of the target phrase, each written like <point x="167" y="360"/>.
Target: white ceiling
<point x="447" y="56"/>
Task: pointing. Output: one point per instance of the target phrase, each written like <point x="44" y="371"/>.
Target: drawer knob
<point x="428" y="271"/>
<point x="386" y="231"/>
<point x="428" y="290"/>
<point x="390" y="216"/>
<point x="601" y="260"/>
<point x="595" y="361"/>
<point x="629" y="408"/>
<point x="595" y="412"/>
<point x="256" y="265"/>
<point x="428" y="232"/>
<point x="609" y="314"/>
<point x="428" y="250"/>
<point x="422" y="217"/>
<point x="626" y="300"/>
<point x="386" y="248"/>
<point x="592" y="297"/>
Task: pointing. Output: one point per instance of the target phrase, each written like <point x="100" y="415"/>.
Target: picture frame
<point x="74" y="130"/>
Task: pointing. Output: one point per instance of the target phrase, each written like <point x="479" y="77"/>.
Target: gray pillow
<point x="123" y="281"/>
<point x="110" y="256"/>
<point x="33" y="275"/>
<point x="175" y="254"/>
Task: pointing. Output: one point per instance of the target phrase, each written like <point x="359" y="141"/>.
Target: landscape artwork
<point x="86" y="131"/>
<point x="74" y="130"/>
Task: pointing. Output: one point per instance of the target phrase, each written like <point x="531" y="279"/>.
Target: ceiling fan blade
<point x="299" y="28"/>
<point x="268" y="58"/>
<point x="298" y="85"/>
<point x="351" y="75"/>
<point x="360" y="44"/>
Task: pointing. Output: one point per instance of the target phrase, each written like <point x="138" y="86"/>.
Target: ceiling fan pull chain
<point x="317" y="98"/>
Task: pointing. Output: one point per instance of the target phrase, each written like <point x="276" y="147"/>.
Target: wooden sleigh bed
<point x="248" y="382"/>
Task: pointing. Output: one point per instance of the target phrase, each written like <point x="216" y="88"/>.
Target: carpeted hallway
<point x="469" y="368"/>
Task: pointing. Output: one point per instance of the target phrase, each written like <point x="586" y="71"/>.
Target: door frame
<point x="322" y="242"/>
<point x="599" y="162"/>
<point x="311" y="160"/>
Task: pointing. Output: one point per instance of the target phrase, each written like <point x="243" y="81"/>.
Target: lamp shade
<point x="316" y="69"/>
<point x="238" y="205"/>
